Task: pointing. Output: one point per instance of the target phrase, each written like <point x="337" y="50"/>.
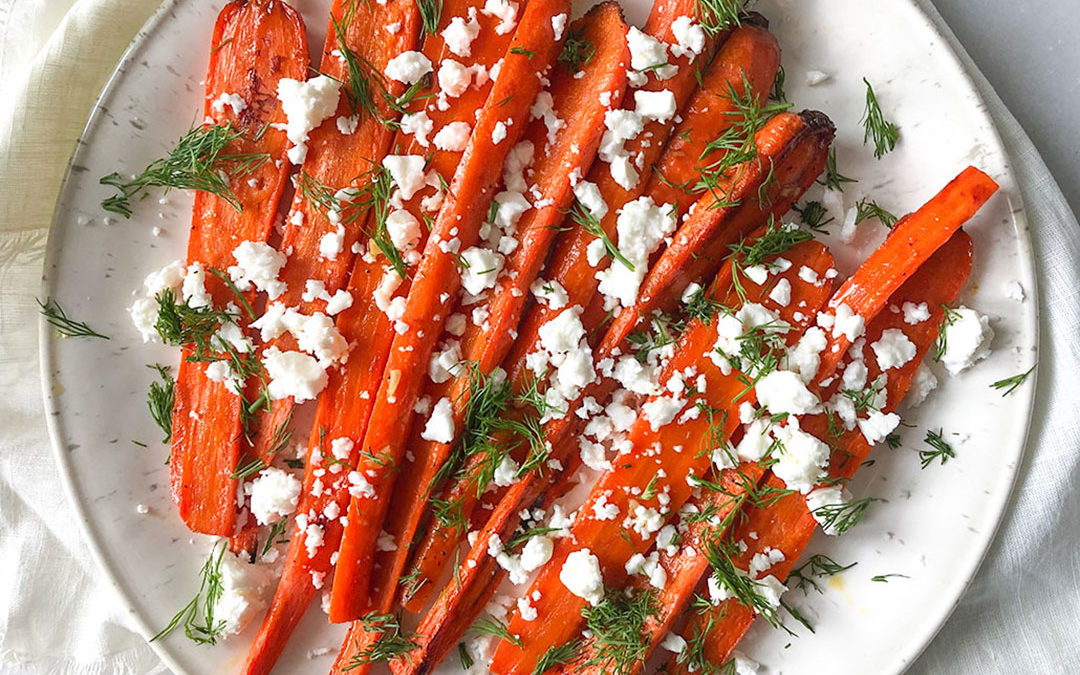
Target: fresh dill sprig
<point x="393" y="642"/>
<point x="939" y="449"/>
<point x="522" y="52"/>
<point x="557" y="655"/>
<point x="411" y="583"/>
<point x="778" y="94"/>
<point x="528" y="534"/>
<point x="813" y="215"/>
<point x="833" y="179"/>
<point x="199" y="161"/>
<point x="719" y="15"/>
<point x="466" y="658"/>
<point x="941" y="343"/>
<point x="893" y="440"/>
<point x="695" y="657"/>
<point x="160" y="400"/>
<point x="701" y="306"/>
<point x="618" y="627"/>
<point x="1011" y="384"/>
<point x="738" y="583"/>
<point x="448" y="513"/>
<point x="197" y="617"/>
<point x="884" y="133"/>
<point x="64" y="324"/>
<point x="430" y="15"/>
<point x="489" y="625"/>
<point x="581" y="215"/>
<point x="866" y="208"/>
<point x="805" y="576"/>
<point x="577" y="51"/>
<point x="776" y="240"/>
<point x="181" y="325"/>
<point x="841" y="517"/>
<point x="273" y="536"/>
<point x="884" y="578"/>
<point x="376" y="195"/>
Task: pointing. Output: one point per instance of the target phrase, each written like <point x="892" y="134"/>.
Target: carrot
<point x="787" y="525"/>
<point x="265" y="38"/>
<point x="345" y="405"/>
<point x="748" y="58"/>
<point x="576" y="100"/>
<point x="477" y="579"/>
<point x="336" y="160"/>
<point x="501" y="122"/>
<point x="683" y="449"/>
<point x="910" y="243"/>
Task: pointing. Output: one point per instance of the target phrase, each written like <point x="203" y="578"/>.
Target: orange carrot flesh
<point x="500" y="124"/>
<point x="336" y="160"/>
<point x="787" y="525"/>
<point x="345" y="405"/>
<point x="682" y="449"/>
<point x="265" y="38"/>
<point x="750" y="56"/>
<point x="576" y="102"/>
<point x="477" y="579"/>
<point x="910" y="243"/>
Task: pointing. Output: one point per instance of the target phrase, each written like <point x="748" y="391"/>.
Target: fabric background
<point x="1020" y="614"/>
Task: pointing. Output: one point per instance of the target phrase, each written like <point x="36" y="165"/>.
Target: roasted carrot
<point x="254" y="45"/>
<point x="788" y="525"/>
<point x="500" y="124"/>
<point x="749" y="58"/>
<point x="477" y="579"/>
<point x="576" y="106"/>
<point x="654" y="476"/>
<point x="339" y="155"/>
<point x="345" y="405"/>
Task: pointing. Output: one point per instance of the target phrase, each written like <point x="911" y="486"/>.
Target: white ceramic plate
<point x="935" y="525"/>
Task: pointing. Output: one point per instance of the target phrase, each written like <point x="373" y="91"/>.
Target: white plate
<point x="936" y="524"/>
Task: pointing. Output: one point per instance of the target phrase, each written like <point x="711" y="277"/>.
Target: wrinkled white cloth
<point x="56" y="615"/>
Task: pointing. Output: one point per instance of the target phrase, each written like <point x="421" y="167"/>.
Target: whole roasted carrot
<point x="254" y="45"/>
<point x="745" y="63"/>
<point x="345" y="405"/>
<point x="479" y="576"/>
<point x="342" y="152"/>
<point x="654" y="477"/>
<point x="501" y="122"/>
<point x="787" y="525"/>
<point x="563" y="142"/>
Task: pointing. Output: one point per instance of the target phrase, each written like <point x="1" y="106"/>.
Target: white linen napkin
<point x="56" y="614"/>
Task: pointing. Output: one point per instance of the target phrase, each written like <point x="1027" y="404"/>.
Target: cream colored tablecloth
<point x="1021" y="614"/>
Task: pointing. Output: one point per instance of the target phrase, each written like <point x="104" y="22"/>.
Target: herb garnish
<point x="867" y="208"/>
<point x="199" y="161"/>
<point x="160" y="400"/>
<point x="883" y="132"/>
<point x="1011" y="384"/>
<point x="200" y="624"/>
<point x="939" y="449"/>
<point x="65" y="325"/>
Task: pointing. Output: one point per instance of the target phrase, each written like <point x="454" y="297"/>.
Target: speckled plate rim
<point x="48" y="341"/>
<point x="1003" y="492"/>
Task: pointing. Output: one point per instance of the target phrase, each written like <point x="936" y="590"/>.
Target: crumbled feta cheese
<point x="1014" y="291"/>
<point x="783" y="391"/>
<point x="815" y="77"/>
<point x="800" y="458"/>
<point x="915" y="313"/>
<point x="332" y="243"/>
<point x="922" y="384"/>
<point x="558" y="25"/>
<point x="274" y="495"/>
<point x="407" y="172"/>
<point x="293" y="374"/>
<point x="453" y="137"/>
<point x="481" y="269"/>
<point x="440" y="426"/>
<point x="408" y="67"/>
<point x="194" y="288"/>
<point x="967" y="339"/>
<point x="673" y="642"/>
<point x="536" y="552"/>
<point x="877" y="425"/>
<point x="580" y="574"/>
<point x="418" y="125"/>
<point x="503" y="10"/>
<point x="454" y="78"/>
<point x="689" y="37"/>
<point x="833" y="495"/>
<point x="258" y="264"/>
<point x="645" y="51"/>
<point x="641" y="226"/>
<point x="550" y="293"/>
<point x="655" y="105"/>
<point x="459" y="34"/>
<point x="403" y="229"/>
<point x="506" y="473"/>
<point x="893" y="349"/>
<point x="306" y="104"/>
<point x="781" y="293"/>
<point x="498" y="134"/>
